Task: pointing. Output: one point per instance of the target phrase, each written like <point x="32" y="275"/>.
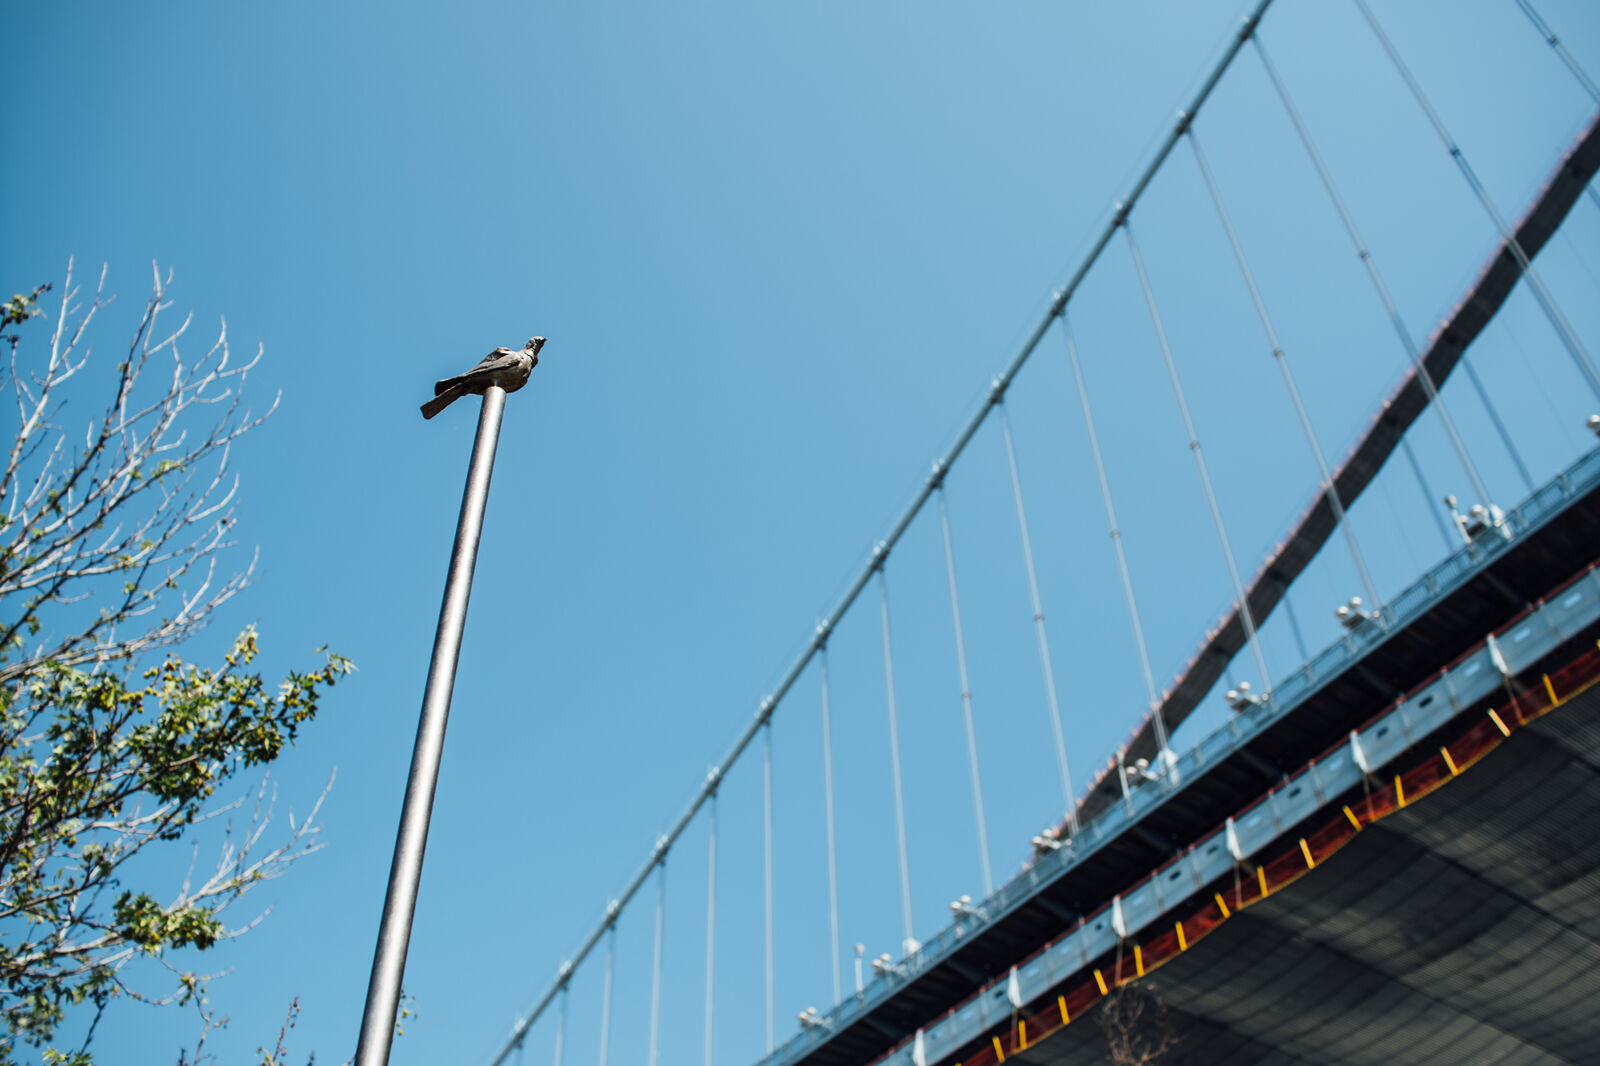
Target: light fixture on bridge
<point x="861" y="950"/>
<point x="1242" y="699"/>
<point x="810" y="1019"/>
<point x="1139" y="771"/>
<point x="1594" y="424"/>
<point x="1353" y="615"/>
<point x="963" y="908"/>
<point x="1052" y="839"/>
<point x="884" y="964"/>
<point x="1477" y="521"/>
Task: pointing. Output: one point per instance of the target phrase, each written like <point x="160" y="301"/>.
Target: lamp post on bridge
<point x="500" y="372"/>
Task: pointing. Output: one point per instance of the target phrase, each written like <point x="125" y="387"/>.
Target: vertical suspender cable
<point x="605" y="995"/>
<point x="766" y="848"/>
<point x="1569" y="339"/>
<point x="1116" y="543"/>
<point x="1499" y="426"/>
<point x="894" y="763"/>
<point x="966" y="698"/>
<point x="1282" y="360"/>
<point x="1450" y="542"/>
<point x="1404" y="334"/>
<point x="711" y="922"/>
<point x="1294" y="626"/>
<point x="1038" y="625"/>
<point x="655" y="967"/>
<point x="561" y="1026"/>
<point x="1572" y="64"/>
<point x="1245" y="614"/>
<point x="827" y="806"/>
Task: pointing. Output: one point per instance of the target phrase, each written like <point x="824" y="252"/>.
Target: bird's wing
<point x="495" y="360"/>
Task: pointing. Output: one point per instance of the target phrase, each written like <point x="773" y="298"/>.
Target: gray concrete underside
<point x="1463" y="929"/>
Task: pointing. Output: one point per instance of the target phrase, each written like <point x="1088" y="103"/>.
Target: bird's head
<point x="533" y="345"/>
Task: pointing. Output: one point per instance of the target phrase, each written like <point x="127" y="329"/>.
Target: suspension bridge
<point x="1386" y="853"/>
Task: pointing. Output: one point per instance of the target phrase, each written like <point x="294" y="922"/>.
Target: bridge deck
<point x="1433" y="624"/>
<point x="1464" y="928"/>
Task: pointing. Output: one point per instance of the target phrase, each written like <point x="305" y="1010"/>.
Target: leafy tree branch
<point x="113" y="536"/>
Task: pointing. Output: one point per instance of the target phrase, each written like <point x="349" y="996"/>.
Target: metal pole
<point x="405" y="872"/>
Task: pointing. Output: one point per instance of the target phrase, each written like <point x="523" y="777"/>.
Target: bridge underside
<point x="1464" y="928"/>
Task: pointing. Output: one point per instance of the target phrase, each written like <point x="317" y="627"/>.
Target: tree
<point x="114" y="540"/>
<point x="1136" y="1024"/>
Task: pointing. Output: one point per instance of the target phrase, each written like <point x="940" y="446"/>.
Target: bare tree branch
<point x="1137" y="1026"/>
<point x="133" y="512"/>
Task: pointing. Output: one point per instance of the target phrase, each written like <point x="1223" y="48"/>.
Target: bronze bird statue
<point x="503" y="367"/>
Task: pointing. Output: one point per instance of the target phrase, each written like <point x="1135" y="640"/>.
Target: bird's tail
<point x="443" y="400"/>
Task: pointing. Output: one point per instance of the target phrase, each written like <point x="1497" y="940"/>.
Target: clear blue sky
<point x="778" y="251"/>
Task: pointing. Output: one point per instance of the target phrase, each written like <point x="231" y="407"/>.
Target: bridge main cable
<point x="880" y="553"/>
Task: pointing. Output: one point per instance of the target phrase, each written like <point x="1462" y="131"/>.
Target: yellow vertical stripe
<point x="1183" y="941"/>
<point x="1305" y="849"/>
<point x="999" y="1052"/>
<point x="1448" y="761"/>
<point x="1100" y="979"/>
<point x="1498" y="722"/>
<point x="1548" y="687"/>
<point x="1138" y="959"/>
<point x="1022" y="1036"/>
<point x="1348" y="813"/>
<point x="1261" y="875"/>
<point x="1224" y="906"/>
<point x="1066" y="1019"/>
<point x="1399" y="791"/>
